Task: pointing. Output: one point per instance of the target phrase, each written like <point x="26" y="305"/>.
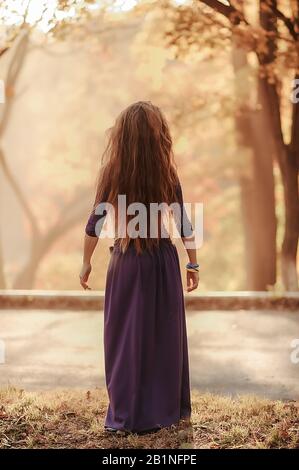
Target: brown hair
<point x="138" y="162"/>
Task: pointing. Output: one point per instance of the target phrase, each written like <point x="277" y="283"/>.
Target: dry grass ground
<point x="74" y="419"/>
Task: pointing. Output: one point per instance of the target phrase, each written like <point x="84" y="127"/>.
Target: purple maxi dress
<point x="145" y="340"/>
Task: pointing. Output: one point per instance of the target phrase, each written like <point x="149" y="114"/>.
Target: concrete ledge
<point x="80" y="300"/>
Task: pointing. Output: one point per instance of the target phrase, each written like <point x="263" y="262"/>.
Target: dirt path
<point x="230" y="352"/>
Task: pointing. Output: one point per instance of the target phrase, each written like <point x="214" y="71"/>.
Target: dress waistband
<point x="117" y="241"/>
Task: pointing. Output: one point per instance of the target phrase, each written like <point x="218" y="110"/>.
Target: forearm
<point x="89" y="246"/>
<point x="190" y="248"/>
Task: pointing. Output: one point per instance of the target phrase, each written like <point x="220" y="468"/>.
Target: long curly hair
<point x="138" y="162"/>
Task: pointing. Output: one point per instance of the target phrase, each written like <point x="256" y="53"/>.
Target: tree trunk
<point x="286" y="156"/>
<point x="26" y="277"/>
<point x="41" y="243"/>
<point x="256" y="184"/>
<point x="290" y="242"/>
<point x="291" y="234"/>
<point x="15" y="66"/>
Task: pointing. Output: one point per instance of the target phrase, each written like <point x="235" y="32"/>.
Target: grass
<point x="74" y="419"/>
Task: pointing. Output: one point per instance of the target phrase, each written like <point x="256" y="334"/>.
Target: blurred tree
<point x="274" y="41"/>
<point x="257" y="184"/>
<point x="21" y="22"/>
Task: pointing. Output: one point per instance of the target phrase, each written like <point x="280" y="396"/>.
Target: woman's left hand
<point x="84" y="275"/>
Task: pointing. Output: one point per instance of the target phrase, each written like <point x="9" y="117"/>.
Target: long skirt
<point x="145" y="341"/>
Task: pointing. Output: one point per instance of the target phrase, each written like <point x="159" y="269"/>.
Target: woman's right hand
<point x="84" y="275"/>
<point x="192" y="281"/>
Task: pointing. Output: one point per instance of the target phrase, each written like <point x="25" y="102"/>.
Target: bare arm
<point x="188" y="238"/>
<point x="89" y="246"/>
<point x="192" y="277"/>
<point x="191" y="252"/>
<point x="92" y="232"/>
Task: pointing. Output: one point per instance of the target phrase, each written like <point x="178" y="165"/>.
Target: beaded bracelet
<point x="192" y="267"/>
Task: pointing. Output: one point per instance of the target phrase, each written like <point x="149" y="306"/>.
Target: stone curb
<point x="80" y="300"/>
